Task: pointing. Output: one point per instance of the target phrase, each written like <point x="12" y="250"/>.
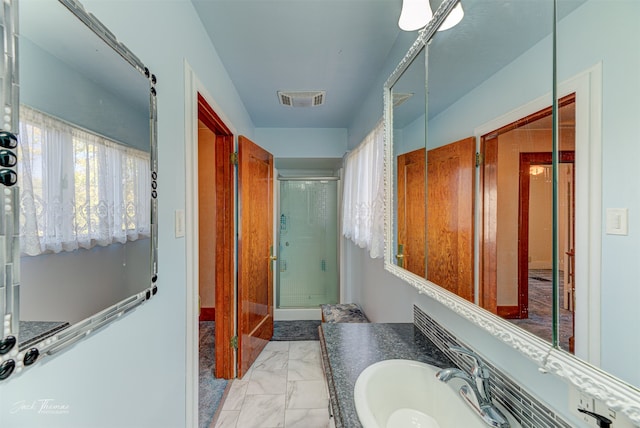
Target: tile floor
<point x="285" y="388"/>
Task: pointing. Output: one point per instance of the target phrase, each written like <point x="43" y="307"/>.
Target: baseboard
<point x="509" y="312"/>
<point x="207" y="314"/>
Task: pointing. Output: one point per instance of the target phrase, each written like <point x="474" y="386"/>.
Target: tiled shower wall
<point x="527" y="410"/>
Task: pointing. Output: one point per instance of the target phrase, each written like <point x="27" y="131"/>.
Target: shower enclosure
<point x="308" y="243"/>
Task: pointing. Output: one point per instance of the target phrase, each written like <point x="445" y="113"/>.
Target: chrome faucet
<point x="478" y="381"/>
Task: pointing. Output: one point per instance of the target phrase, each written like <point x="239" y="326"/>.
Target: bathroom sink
<point x="406" y="393"/>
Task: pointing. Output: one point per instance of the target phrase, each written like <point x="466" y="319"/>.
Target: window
<point x="363" y="197"/>
<point x="78" y="189"/>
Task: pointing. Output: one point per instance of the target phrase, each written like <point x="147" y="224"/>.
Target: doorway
<point x="215" y="280"/>
<point x="307" y="273"/>
<point x="534" y="249"/>
<point x="516" y="187"/>
<point x="215" y="232"/>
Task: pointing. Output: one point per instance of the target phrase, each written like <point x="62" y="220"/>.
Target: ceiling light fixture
<point x="416" y="14"/>
<point x="454" y="18"/>
<point x="536" y="169"/>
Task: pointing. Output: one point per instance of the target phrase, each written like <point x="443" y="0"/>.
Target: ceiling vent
<point x="400" y="98"/>
<point x="301" y="99"/>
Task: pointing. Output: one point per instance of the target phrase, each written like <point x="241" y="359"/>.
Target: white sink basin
<point x="405" y="393"/>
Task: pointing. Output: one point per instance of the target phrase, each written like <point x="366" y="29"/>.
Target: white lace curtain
<point x="78" y="189"/>
<point x="363" y="198"/>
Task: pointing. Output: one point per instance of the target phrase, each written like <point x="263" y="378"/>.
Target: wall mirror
<point x="84" y="206"/>
<point x="524" y="243"/>
<point x="409" y="127"/>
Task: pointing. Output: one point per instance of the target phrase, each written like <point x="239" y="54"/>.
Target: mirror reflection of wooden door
<point x="450" y="202"/>
<point x="255" y="246"/>
<point x="411" y="212"/>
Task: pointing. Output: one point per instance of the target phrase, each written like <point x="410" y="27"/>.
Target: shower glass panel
<point x="308" y="242"/>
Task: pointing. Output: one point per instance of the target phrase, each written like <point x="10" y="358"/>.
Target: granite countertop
<point x="349" y="348"/>
<point x="32" y="332"/>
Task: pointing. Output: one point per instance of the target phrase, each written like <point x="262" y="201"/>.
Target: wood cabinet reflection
<point x="450" y="196"/>
<point x="411" y="211"/>
<point x="516" y="210"/>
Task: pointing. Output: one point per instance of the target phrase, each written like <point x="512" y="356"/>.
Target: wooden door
<point x="411" y="212"/>
<point x="255" y="246"/>
<point x="488" y="292"/>
<point x="450" y="200"/>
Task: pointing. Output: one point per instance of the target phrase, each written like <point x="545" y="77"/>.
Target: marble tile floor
<point x="285" y="388"/>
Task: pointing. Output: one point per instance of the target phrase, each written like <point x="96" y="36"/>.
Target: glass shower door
<point x="308" y="242"/>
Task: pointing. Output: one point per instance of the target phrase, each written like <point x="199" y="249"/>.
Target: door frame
<point x="224" y="254"/>
<point x="526" y="160"/>
<point x="488" y="211"/>
<point x="193" y="88"/>
<point x="587" y="86"/>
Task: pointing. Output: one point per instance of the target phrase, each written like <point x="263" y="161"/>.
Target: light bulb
<point x="454" y="18"/>
<point x="415" y="14"/>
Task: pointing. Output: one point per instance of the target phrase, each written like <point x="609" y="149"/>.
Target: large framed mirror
<point x="518" y="235"/>
<point x="408" y="106"/>
<point x="84" y="205"/>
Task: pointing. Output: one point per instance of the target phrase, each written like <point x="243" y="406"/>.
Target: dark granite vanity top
<point x="32" y="332"/>
<point x="349" y="348"/>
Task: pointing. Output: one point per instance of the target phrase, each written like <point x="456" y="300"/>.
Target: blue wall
<point x="132" y="373"/>
<point x="52" y="86"/>
<point x="590" y="35"/>
<point x="303" y="142"/>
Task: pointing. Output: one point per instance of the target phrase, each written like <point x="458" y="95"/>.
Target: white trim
<point x="525" y="110"/>
<point x="192" y="88"/>
<point x="297" y="314"/>
<point x="617" y="394"/>
<point x="340" y="242"/>
<point x="276" y="242"/>
<point x="588" y="88"/>
<point x="191" y="230"/>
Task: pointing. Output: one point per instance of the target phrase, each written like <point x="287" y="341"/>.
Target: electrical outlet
<point x="580" y="400"/>
<point x="586" y="403"/>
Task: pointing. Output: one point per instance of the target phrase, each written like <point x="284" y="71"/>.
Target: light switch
<point x="180" y="223"/>
<point x="617" y="221"/>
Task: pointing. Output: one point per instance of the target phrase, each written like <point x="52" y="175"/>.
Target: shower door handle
<point x="272" y="259"/>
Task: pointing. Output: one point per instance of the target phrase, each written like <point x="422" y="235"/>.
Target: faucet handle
<point x="479" y="369"/>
